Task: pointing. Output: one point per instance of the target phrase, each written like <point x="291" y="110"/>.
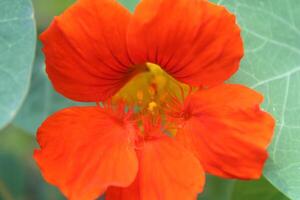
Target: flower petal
<point x="166" y="171"/>
<point x="86" y="51"/>
<point x="195" y="41"/>
<point x="84" y="150"/>
<point x="227" y="131"/>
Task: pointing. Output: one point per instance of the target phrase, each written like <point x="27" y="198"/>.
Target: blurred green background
<point x="19" y="177"/>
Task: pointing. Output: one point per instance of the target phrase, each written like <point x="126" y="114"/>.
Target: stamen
<point x="152" y="106"/>
<point x="152" y="90"/>
<point x="140" y="97"/>
<point x="153" y="94"/>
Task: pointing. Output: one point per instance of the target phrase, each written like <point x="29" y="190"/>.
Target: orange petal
<point x="85" y="50"/>
<point x="84" y="150"/>
<point x="195" y="41"/>
<point x="166" y="171"/>
<point x="227" y="131"/>
<point x="129" y="193"/>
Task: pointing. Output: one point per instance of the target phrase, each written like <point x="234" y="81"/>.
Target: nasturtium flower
<point x="163" y="116"/>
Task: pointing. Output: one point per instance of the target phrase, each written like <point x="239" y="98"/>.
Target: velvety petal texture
<point x="83" y="150"/>
<point x="86" y="51"/>
<point x="195" y="41"/>
<point x="95" y="47"/>
<point x="227" y="131"/>
<point x="167" y="171"/>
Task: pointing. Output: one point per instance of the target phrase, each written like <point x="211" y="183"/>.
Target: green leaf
<point x="17" y="46"/>
<point x="271" y="32"/>
<point x="42" y="99"/>
<point x="224" y="189"/>
<point x="258" y="190"/>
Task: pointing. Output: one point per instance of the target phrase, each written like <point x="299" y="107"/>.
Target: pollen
<point x="140" y="96"/>
<point x="152" y="106"/>
<point x="150" y="90"/>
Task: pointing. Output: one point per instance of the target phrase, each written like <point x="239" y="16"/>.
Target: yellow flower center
<point x="150" y="89"/>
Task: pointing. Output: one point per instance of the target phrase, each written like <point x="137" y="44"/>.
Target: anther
<point x="140" y="95"/>
<point x="152" y="106"/>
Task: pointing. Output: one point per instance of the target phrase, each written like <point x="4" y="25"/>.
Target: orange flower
<point x="166" y="116"/>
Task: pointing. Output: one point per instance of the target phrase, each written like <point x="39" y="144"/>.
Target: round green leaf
<point x="271" y="32"/>
<point x="17" y="47"/>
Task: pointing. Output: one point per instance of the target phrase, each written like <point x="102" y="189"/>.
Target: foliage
<point x="17" y="46"/>
<point x="271" y="65"/>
